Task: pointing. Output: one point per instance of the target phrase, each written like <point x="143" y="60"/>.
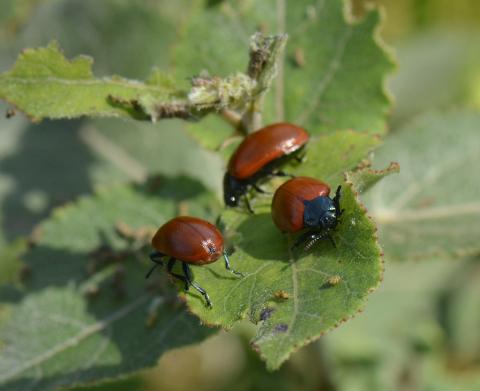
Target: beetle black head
<point x="233" y="189"/>
<point x="321" y="212"/>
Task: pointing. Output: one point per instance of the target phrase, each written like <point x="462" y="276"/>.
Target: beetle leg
<point x="300" y="158"/>
<point x="331" y="239"/>
<point x="151" y="270"/>
<point x="227" y="265"/>
<point x="259" y="189"/>
<point x="249" y="206"/>
<point x="155" y="257"/>
<point x="203" y="292"/>
<point x="170" y="264"/>
<point x="282" y="174"/>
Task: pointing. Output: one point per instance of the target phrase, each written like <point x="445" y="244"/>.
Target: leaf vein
<point x="74" y="340"/>
<point x="332" y="69"/>
<point x="240" y="282"/>
<point x="430" y="178"/>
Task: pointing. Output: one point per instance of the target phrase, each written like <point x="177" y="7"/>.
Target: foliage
<point x="83" y="311"/>
<point x="431" y="210"/>
<point x="314" y="304"/>
<point x="75" y="307"/>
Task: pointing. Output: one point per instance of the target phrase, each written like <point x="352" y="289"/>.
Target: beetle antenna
<point x="312" y="241"/>
<point x="227" y="265"/>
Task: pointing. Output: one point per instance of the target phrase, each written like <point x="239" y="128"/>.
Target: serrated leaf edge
<point x="347" y="318"/>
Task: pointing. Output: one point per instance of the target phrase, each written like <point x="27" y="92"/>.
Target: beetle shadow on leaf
<point x="178" y="188"/>
<point x="190" y="196"/>
<point x="259" y="238"/>
<point x="58" y="271"/>
<point x="224" y="276"/>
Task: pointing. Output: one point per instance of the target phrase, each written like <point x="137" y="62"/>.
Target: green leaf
<point x="85" y="314"/>
<point x="213" y="133"/>
<point x="115" y="49"/>
<point x="432" y="209"/>
<point x="324" y="287"/>
<point x="27" y="195"/>
<point x="435" y="69"/>
<point x="363" y="178"/>
<point x="333" y="71"/>
<point x="460" y="305"/>
<point x="43" y="83"/>
<point x="11" y="267"/>
<point x="370" y="351"/>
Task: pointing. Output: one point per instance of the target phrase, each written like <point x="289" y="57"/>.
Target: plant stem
<point x="265" y="54"/>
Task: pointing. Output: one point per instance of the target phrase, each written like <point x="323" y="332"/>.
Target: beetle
<point x="303" y="203"/>
<point x="258" y="156"/>
<point x="192" y="241"/>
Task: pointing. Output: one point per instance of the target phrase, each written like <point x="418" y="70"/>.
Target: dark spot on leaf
<point x="213" y="3"/>
<point x="281" y="328"/>
<point x="10" y="113"/>
<point x="266" y="313"/>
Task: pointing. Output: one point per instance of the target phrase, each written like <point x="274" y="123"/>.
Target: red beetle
<point x="258" y="156"/>
<point x="192" y="241"/>
<point x="304" y="203"/>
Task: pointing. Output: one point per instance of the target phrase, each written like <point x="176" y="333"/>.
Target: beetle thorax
<point x="320" y="213"/>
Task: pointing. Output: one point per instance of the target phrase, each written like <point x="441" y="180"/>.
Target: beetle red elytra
<point x="304" y="203"/>
<point x="259" y="155"/>
<point x="192" y="241"/>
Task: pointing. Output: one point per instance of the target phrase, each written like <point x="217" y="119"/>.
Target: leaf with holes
<point x="332" y="73"/>
<point x="432" y="209"/>
<point x="323" y="287"/>
<point x="84" y="313"/>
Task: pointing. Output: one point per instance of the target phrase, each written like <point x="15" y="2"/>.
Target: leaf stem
<point x="233" y="118"/>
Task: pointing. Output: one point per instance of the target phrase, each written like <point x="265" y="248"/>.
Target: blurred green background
<point x="420" y="335"/>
